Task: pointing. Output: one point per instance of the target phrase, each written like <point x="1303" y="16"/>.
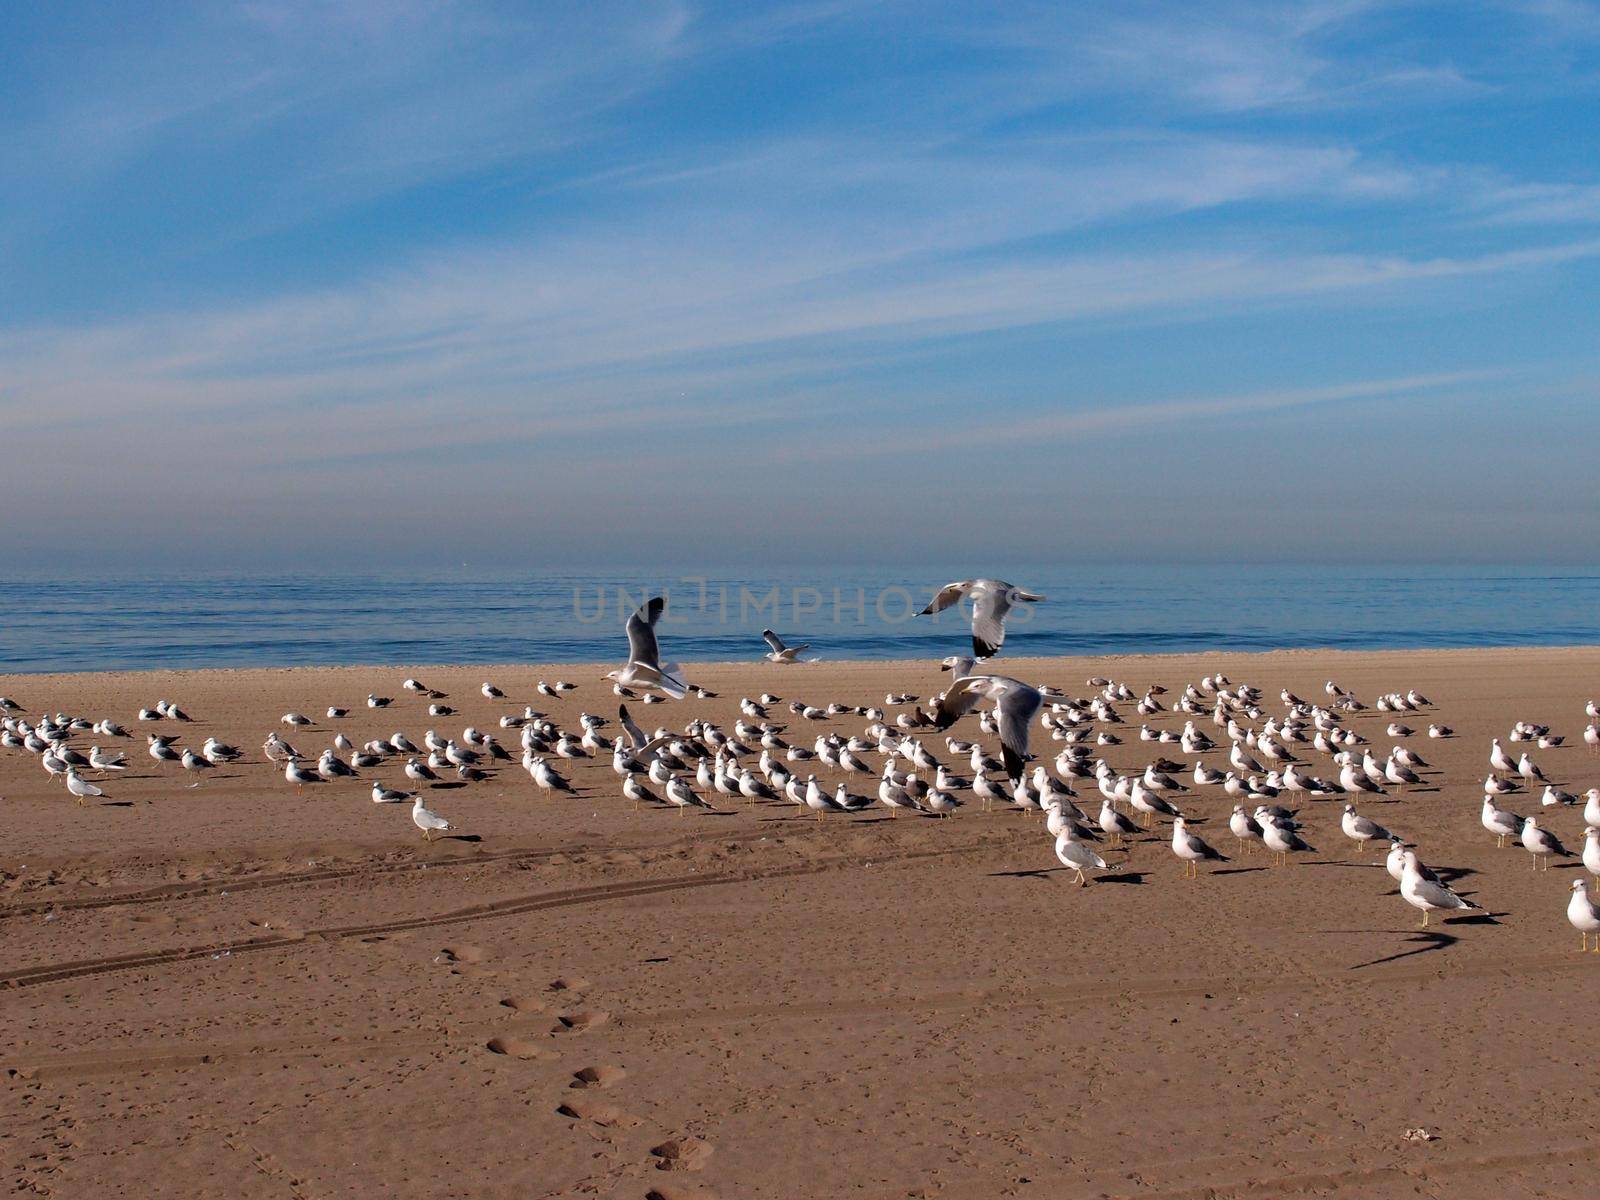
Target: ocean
<point x="470" y="616"/>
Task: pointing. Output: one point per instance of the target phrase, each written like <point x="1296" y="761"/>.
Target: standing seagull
<point x="1015" y="704"/>
<point x="1361" y="829"/>
<point x="1075" y="856"/>
<point x="425" y="819"/>
<point x="779" y="652"/>
<point x="80" y="787"/>
<point x="1191" y="849"/>
<point x="1584" y="915"/>
<point x="644" y="668"/>
<point x="1541" y="843"/>
<point x="991" y="601"/>
<point x="1427" y="894"/>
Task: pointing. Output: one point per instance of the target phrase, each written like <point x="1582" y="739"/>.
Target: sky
<point x="318" y="285"/>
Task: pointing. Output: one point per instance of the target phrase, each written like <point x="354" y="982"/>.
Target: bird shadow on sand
<point x="1133" y="877"/>
<point x="443" y="786"/>
<point x="1429" y="941"/>
<point x="1237" y="870"/>
<point x="115" y="804"/>
<point x="460" y="837"/>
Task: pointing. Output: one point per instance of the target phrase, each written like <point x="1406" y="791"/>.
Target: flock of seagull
<point x="1270" y="757"/>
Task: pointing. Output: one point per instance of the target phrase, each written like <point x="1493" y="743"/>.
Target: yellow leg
<point x="1424" y="918"/>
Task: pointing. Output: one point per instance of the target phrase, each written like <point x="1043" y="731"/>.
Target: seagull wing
<point x="960" y="698"/>
<point x="1016" y="706"/>
<point x="636" y="736"/>
<point x="642" y="646"/>
<point x="773" y="640"/>
<point x="949" y="594"/>
<point x="1438" y="895"/>
<point x="989" y="608"/>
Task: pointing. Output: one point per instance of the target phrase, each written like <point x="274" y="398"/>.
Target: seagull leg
<point x="1424" y="924"/>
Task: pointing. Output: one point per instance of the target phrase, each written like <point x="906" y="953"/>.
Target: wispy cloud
<point x="326" y="247"/>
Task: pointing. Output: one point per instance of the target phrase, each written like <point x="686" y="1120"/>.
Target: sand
<point x="230" y="990"/>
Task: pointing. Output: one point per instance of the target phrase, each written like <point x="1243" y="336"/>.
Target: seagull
<point x="684" y="796"/>
<point x="1584" y="915"/>
<point x="1015" y="704"/>
<point x="386" y="795"/>
<point x="644" y="668"/>
<point x="490" y="692"/>
<point x="1501" y="822"/>
<point x="779" y="652"/>
<point x="295" y="719"/>
<point x="426" y="819"/>
<point x="100" y="760"/>
<point x="80" y="787"/>
<point x="1591" y="850"/>
<point x="1361" y="829"/>
<point x="1427" y="894"/>
<point x="991" y="601"/>
<point x="1075" y="856"/>
<point x="298" y="775"/>
<point x="1245" y="828"/>
<point x="1541" y="843"/>
<point x="1191" y="849"/>
<point x="1282" y="840"/>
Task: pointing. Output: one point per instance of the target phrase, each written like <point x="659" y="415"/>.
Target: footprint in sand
<point x="578" y="1022"/>
<point x="679" y="1192"/>
<point x="596" y="1077"/>
<point x="568" y="984"/>
<point x="463" y="952"/>
<point x="513" y="1046"/>
<point x="682" y="1154"/>
<point x="274" y="926"/>
<point x="608" y="1115"/>
<point x="523" y="1004"/>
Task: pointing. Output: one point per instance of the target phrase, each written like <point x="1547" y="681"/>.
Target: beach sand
<point x="230" y="990"/>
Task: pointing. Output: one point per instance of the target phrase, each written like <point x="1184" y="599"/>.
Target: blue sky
<point x="379" y="284"/>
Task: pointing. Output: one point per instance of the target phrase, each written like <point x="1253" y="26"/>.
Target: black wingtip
<point x="1013" y="762"/>
<point x="983" y="649"/>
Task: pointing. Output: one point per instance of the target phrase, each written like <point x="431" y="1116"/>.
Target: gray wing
<point x="642" y="646"/>
<point x="1017" y="705"/>
<point x="635" y="734"/>
<point x="957" y="700"/>
<point x="949" y="594"/>
<point x="1439" y="896"/>
<point x="989" y="609"/>
<point x="774" y="641"/>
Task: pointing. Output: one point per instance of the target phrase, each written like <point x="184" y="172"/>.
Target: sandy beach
<point x="238" y="991"/>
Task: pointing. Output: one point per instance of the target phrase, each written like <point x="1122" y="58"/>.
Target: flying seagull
<point x="991" y="601"/>
<point x="644" y="668"/>
<point x="781" y="653"/>
<point x="1015" y="704"/>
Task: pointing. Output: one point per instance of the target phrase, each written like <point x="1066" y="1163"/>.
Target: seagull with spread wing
<point x="991" y="601"/>
<point x="780" y="653"/>
<point x="644" y="668"/>
<point x="1015" y="704"/>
